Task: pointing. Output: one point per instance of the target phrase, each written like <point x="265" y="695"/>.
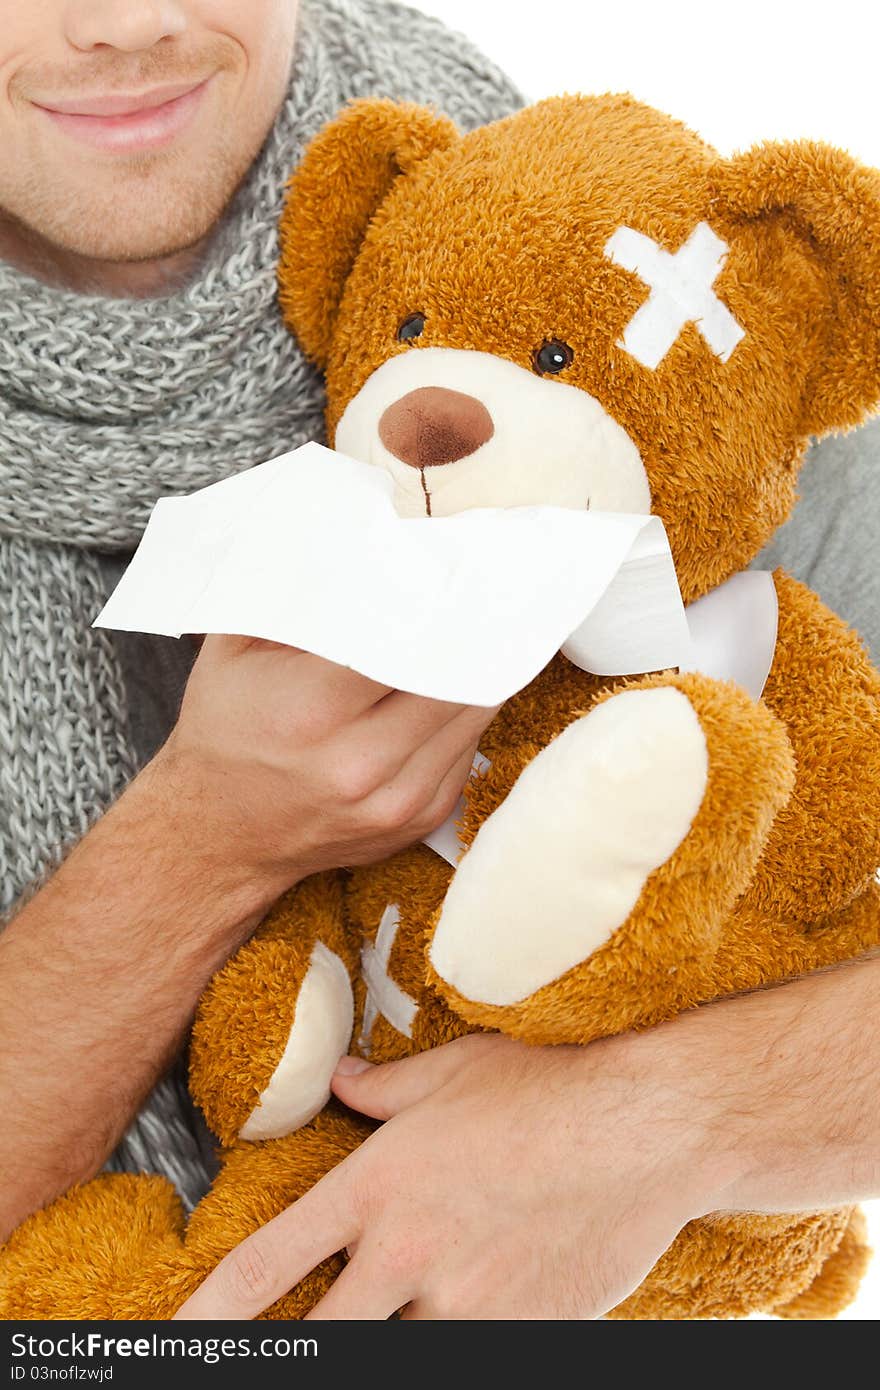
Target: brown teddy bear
<point x="583" y="305"/>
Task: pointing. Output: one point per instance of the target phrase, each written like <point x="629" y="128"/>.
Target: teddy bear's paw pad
<point x="559" y="867"/>
<point x="300" y="1084"/>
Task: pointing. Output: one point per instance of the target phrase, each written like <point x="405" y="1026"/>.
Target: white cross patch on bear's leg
<point x="384" y="995"/>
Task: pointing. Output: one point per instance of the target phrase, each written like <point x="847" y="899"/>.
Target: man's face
<point x="126" y="125"/>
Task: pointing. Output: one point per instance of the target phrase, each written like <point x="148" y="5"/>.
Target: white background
<point x="737" y="73"/>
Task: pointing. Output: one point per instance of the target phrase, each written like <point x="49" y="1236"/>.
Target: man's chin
<point x="138" y="250"/>
<point x="148" y="214"/>
<point x="103" y="235"/>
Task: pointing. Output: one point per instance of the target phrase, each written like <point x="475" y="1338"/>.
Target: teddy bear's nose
<point x="432" y="425"/>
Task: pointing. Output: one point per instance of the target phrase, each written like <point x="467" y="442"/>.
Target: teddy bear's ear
<point x="832" y="202"/>
<point x="345" y="175"/>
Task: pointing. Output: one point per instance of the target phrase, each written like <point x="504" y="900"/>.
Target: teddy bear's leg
<point x="593" y="898"/>
<point x="256" y="1183"/>
<point x="116" y="1247"/>
<point x="275" y="1020"/>
<point x="86" y="1256"/>
<point x="837" y="1283"/>
<point x="270" y="1030"/>
<point x="730" y="1266"/>
<point x="760" y="946"/>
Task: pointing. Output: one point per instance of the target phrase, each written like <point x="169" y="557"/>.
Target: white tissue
<point x="308" y="550"/>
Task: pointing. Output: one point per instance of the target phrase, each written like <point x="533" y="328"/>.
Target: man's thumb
<point x="384" y="1090"/>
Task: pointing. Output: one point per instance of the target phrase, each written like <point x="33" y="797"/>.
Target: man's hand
<point x="296" y="765"/>
<point x="515" y="1182"/>
<point x="509" y="1182"/>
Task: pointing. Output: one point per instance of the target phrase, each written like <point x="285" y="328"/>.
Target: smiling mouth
<point x="128" y="123"/>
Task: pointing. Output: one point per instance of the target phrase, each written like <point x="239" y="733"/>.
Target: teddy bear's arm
<point x="675" y="832"/>
<point x="825" y="845"/>
<point x="593" y="898"/>
<point x="275" y="1020"/>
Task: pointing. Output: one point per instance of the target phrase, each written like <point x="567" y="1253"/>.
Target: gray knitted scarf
<point x="106" y="405"/>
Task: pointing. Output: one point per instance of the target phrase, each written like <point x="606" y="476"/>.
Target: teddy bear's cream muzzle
<point x="457" y="429"/>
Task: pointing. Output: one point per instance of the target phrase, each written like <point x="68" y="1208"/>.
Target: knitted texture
<point x="108" y="404"/>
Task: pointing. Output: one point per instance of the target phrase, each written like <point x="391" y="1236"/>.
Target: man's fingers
<point x="384" y="739"/>
<point x="234" y="645"/>
<point x="272" y="1260"/>
<point x="430" y="764"/>
<point x="404" y="802"/>
<point x="412" y="739"/>
<point x="438" y="753"/>
<point x="411" y="717"/>
<point x="365" y="1291"/>
<point x="450" y="789"/>
<point x="384" y="1090"/>
<point x="343" y="692"/>
<point x="417" y="1311"/>
<point x="224" y="646"/>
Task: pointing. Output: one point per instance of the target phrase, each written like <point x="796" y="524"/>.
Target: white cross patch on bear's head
<point x="681" y="292"/>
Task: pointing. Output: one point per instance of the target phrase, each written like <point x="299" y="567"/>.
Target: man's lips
<point x="127" y="122"/>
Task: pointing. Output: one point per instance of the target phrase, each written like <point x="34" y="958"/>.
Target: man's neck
<point x="67" y="270"/>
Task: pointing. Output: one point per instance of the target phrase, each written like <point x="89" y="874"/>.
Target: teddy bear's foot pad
<point x="300" y="1084"/>
<point x="558" y="868"/>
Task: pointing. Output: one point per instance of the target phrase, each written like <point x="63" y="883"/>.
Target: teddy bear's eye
<point x="551" y="357"/>
<point x="413" y="326"/>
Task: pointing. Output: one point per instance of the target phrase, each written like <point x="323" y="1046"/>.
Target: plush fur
<point x="498" y="241"/>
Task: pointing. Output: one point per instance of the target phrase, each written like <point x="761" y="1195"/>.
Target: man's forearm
<point x="784" y="1084"/>
<point x="99" y="975"/>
